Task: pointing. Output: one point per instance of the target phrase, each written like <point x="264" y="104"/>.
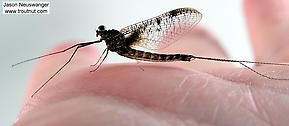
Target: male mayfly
<point x="153" y="34"/>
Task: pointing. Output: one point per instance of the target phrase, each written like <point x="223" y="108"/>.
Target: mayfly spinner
<point x="155" y="33"/>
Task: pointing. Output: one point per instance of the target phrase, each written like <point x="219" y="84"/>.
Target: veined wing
<point x="163" y="30"/>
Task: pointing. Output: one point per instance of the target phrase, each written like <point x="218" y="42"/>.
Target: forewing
<point x="163" y="30"/>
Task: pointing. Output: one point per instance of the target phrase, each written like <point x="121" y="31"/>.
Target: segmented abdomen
<point x="153" y="57"/>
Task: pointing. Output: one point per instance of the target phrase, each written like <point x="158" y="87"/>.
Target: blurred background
<point x="26" y="36"/>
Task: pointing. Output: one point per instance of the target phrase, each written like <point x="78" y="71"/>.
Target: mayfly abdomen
<point x="154" y="57"/>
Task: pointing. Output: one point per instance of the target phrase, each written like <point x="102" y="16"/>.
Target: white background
<point x="26" y="36"/>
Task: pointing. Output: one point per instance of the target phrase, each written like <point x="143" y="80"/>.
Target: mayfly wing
<point x="163" y="30"/>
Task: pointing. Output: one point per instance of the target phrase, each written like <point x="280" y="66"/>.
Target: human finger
<point x="268" y="24"/>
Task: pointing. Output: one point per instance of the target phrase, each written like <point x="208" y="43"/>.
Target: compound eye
<point x="101" y="28"/>
<point x="97" y="34"/>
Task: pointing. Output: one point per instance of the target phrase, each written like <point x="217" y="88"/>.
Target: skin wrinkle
<point x="183" y="81"/>
<point x="267" y="102"/>
<point x="240" y="101"/>
<point x="278" y="110"/>
<point x="221" y="79"/>
<point x="186" y="94"/>
<point x="226" y="79"/>
<point x="239" y="73"/>
<point x="269" y="123"/>
<point x="267" y="117"/>
<point x="205" y="84"/>
<point x="200" y="122"/>
<point x="257" y="117"/>
<point x="249" y="80"/>
<point x="214" y="117"/>
<point x="264" y="112"/>
<point x="180" y="87"/>
<point x="273" y="87"/>
<point x="254" y="105"/>
<point x="238" y="106"/>
<point x="252" y="99"/>
<point x="231" y="96"/>
<point x="184" y="97"/>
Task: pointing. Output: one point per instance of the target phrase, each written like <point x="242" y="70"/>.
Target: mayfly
<point x="153" y="34"/>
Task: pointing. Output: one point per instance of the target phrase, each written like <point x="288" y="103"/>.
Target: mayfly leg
<point x="99" y="58"/>
<point x="138" y="65"/>
<point x="105" y="55"/>
<point x="79" y="45"/>
<point x="56" y="71"/>
<point x="58" y="52"/>
<point x="62" y="51"/>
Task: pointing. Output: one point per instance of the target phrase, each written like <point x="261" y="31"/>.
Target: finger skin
<point x="268" y="24"/>
<point x="122" y="94"/>
<point x="164" y="94"/>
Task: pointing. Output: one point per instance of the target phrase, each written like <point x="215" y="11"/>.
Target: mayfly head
<point x="100" y="30"/>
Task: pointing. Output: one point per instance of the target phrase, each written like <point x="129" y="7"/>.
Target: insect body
<point x="123" y="46"/>
<point x="153" y="34"/>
